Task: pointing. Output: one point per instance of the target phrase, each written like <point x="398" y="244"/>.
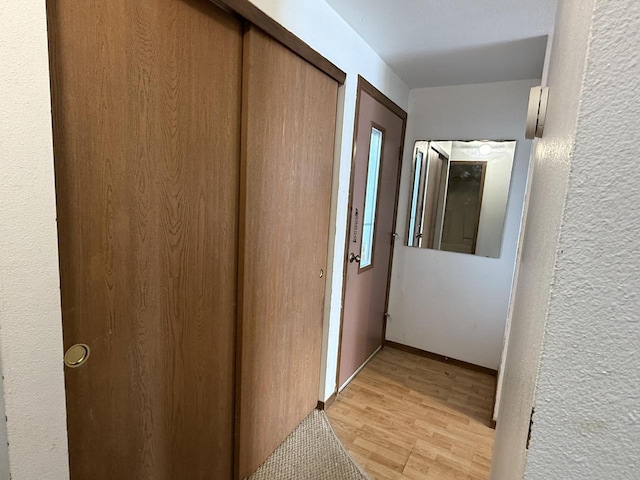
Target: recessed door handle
<point x="354" y="258"/>
<point x="76" y="355"/>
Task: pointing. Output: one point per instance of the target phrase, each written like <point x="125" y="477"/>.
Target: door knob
<point x="76" y="355"/>
<point x="354" y="258"/>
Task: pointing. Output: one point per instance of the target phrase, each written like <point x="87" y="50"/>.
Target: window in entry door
<point x="370" y="198"/>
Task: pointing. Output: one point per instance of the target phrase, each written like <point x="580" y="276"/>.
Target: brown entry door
<point x="376" y="170"/>
<point x="146" y="104"/>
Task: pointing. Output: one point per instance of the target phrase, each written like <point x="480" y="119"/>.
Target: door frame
<point x="367" y="87"/>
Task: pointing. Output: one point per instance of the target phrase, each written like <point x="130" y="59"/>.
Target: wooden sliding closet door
<point x="289" y="111"/>
<point x="146" y="114"/>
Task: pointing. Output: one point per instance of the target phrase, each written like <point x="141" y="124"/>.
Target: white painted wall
<point x="30" y="322"/>
<point x="315" y="22"/>
<point x="450" y="303"/>
<point x="579" y="281"/>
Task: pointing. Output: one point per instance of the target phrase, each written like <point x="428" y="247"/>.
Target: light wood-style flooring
<point x="409" y="417"/>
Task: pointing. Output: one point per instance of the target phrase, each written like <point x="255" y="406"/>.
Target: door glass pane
<point x="370" y="198"/>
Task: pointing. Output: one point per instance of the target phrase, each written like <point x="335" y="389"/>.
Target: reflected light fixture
<point x="485" y="150"/>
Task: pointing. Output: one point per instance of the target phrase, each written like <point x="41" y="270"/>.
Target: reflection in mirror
<point x="459" y="195"/>
<point x="413" y="209"/>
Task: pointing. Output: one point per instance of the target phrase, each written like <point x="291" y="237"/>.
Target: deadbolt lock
<point x="76" y="355"/>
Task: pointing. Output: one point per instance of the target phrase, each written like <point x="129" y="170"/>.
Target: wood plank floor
<point x="410" y="417"/>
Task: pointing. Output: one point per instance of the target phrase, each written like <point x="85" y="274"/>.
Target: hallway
<point x="410" y="417"/>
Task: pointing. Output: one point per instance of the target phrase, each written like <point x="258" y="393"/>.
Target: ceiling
<point x="432" y="43"/>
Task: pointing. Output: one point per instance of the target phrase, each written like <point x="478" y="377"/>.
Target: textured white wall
<point x="451" y="303"/>
<point x="587" y="421"/>
<point x="507" y="330"/>
<point x="578" y="282"/>
<point x="315" y="22"/>
<point x="4" y="445"/>
<point x="30" y="323"/>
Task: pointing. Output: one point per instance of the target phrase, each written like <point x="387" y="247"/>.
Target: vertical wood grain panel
<point x="289" y="111"/>
<point x="146" y="109"/>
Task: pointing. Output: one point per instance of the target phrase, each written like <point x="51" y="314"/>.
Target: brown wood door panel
<point x="146" y="108"/>
<point x="289" y="111"/>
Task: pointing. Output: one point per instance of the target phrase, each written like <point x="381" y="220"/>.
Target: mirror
<point x="459" y="192"/>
